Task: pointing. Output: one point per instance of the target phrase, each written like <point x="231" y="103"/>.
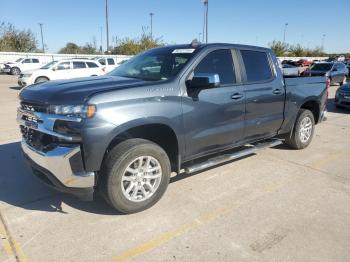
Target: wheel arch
<point x="41" y="77"/>
<point x="159" y="133"/>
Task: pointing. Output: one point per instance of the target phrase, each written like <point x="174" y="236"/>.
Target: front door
<point x="214" y="118"/>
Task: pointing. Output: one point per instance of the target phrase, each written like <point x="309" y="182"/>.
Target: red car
<point x="304" y="62"/>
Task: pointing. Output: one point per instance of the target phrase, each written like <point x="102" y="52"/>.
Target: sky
<point x="255" y="22"/>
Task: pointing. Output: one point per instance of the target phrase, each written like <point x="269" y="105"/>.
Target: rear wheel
<point x="15" y="71"/>
<point x="41" y="79"/>
<point x="303" y="130"/>
<point x="135" y="175"/>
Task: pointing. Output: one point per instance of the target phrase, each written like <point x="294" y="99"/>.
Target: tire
<point x="41" y="79"/>
<point x="300" y="138"/>
<point x="119" y="185"/>
<point x="15" y="71"/>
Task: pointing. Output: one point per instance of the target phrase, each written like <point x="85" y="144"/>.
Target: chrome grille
<point x="34" y="107"/>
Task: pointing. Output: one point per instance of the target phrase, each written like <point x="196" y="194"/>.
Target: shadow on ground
<point x="15" y="88"/>
<point x="332" y="108"/>
<point x="18" y="187"/>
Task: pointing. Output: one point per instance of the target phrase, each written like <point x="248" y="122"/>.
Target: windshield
<point x="47" y="66"/>
<point x="321" y="67"/>
<point x="155" y="64"/>
<point x="19" y="60"/>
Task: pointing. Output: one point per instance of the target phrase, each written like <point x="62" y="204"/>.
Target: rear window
<point x="102" y="61"/>
<point x="257" y="65"/>
<point x="91" y="64"/>
<point x="77" y="65"/>
<point x="110" y="61"/>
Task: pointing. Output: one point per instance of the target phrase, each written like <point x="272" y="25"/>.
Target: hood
<point x="77" y="90"/>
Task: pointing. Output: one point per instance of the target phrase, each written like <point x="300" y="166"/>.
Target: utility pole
<point x="199" y="37"/>
<point x="107" y="25"/>
<point x="42" y="37"/>
<point x="205" y="25"/>
<point x="284" y="33"/>
<point x="151" y="15"/>
<point x="322" y="44"/>
<point x="101" y="49"/>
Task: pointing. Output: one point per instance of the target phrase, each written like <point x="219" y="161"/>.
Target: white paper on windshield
<point x="183" y="51"/>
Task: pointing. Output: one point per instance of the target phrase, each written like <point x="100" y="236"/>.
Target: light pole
<point x="322" y="44"/>
<point x="205" y="24"/>
<point x="42" y="37"/>
<point x="151" y="15"/>
<point x="107" y="25"/>
<point x="101" y="49"/>
<point x="199" y="36"/>
<point x="284" y="33"/>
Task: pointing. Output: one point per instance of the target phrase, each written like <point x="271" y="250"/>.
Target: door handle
<point x="276" y="91"/>
<point x="236" y="96"/>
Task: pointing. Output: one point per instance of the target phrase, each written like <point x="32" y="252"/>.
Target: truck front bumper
<point x="62" y="169"/>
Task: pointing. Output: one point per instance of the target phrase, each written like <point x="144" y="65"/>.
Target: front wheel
<point x="135" y="175"/>
<point x="41" y="79"/>
<point x="15" y="71"/>
<point x="303" y="130"/>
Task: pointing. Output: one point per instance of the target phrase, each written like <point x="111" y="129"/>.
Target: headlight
<point x="85" y="111"/>
<point x="27" y="75"/>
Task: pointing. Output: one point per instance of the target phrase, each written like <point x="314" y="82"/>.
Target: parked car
<point x="22" y="64"/>
<point x="335" y="71"/>
<point x="290" y="70"/>
<point x="64" y="69"/>
<point x="342" y="96"/>
<point x="166" y="110"/>
<point x="304" y="62"/>
<point x="347" y="64"/>
<point x="108" y="63"/>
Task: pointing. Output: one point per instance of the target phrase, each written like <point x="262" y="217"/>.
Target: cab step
<point x="247" y="150"/>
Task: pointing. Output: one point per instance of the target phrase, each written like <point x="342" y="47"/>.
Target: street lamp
<point x="284" y="33"/>
<point x="205" y="22"/>
<point x="151" y="15"/>
<point x="107" y="25"/>
<point x="42" y="37"/>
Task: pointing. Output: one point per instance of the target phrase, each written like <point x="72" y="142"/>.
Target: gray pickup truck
<point x="181" y="108"/>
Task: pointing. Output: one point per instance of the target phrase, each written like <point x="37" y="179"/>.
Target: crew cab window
<point x="110" y="61"/>
<point x="63" y="66"/>
<point x="102" y="61"/>
<point x="257" y="65"/>
<point x="78" y="65"/>
<point x="35" y="60"/>
<point x="27" y="60"/>
<point x="218" y="62"/>
<point x="91" y="64"/>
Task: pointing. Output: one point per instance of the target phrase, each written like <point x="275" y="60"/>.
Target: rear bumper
<point x="62" y="169"/>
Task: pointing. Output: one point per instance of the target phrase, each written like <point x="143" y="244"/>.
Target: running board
<point x="229" y="157"/>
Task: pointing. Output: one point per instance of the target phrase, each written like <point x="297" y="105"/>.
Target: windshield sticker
<point x="183" y="51"/>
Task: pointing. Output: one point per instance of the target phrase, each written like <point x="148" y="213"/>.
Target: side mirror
<point x="204" y="81"/>
<point x="54" y="68"/>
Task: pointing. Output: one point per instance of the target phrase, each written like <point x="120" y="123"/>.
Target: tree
<point x="279" y="48"/>
<point x="14" y="40"/>
<point x="297" y="50"/>
<point x="128" y="46"/>
<point x="72" y="48"/>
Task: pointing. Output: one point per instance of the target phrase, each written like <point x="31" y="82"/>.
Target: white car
<point x="108" y="63"/>
<point x="290" y="70"/>
<point x="21" y="64"/>
<point x="63" y="69"/>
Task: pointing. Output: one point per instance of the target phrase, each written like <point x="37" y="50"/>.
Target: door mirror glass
<point x="204" y="81"/>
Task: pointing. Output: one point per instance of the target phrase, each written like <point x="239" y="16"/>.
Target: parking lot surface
<point x="277" y="205"/>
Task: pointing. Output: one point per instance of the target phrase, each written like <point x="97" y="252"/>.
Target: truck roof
<point x="223" y="45"/>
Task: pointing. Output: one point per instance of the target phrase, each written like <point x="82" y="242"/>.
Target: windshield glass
<point x="321" y="67"/>
<point x="47" y="66"/>
<point x="19" y="60"/>
<point x="155" y="64"/>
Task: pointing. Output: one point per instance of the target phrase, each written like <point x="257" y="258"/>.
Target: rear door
<point x="94" y="69"/>
<point x="264" y="95"/>
<point x="79" y="69"/>
<point x="214" y="118"/>
<point x="63" y="70"/>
